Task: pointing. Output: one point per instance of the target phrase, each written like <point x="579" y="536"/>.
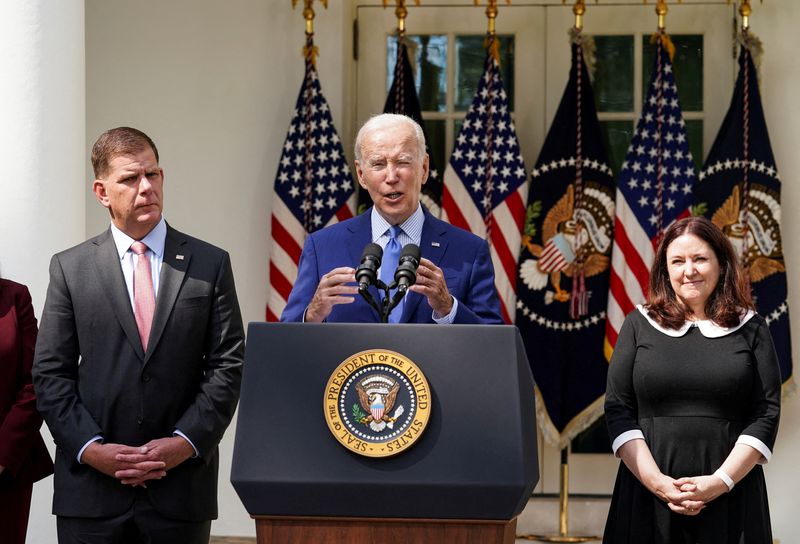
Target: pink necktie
<point x="144" y="301"/>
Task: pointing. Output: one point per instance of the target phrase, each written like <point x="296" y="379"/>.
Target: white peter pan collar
<point x="708" y="328"/>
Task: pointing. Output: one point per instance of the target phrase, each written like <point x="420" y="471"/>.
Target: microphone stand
<point x="387" y="304"/>
<point x="390" y="304"/>
<point x="364" y="292"/>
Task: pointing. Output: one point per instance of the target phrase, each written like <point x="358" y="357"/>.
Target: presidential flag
<point x="565" y="258"/>
<point x="403" y="99"/>
<point x="654" y="189"/>
<point x="740" y="191"/>
<point x="484" y="182"/>
<point x="313" y="187"/>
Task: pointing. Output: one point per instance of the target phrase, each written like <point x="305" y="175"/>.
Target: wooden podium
<point x="465" y="480"/>
<point x="304" y="530"/>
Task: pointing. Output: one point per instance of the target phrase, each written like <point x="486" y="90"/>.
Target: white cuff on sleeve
<point x="177" y="432"/>
<point x="91" y="440"/>
<point x="722" y="475"/>
<point x="449" y="318"/>
<point x="758" y="445"/>
<point x="627" y="436"/>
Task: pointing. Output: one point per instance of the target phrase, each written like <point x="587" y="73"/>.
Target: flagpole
<point x="745" y="10"/>
<point x="563" y="510"/>
<point x="401" y="12"/>
<point x="309" y="54"/>
<point x="661" y="11"/>
<point x="578" y="9"/>
<point x="308" y="12"/>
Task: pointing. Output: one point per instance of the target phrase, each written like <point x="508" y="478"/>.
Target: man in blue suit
<point x="455" y="278"/>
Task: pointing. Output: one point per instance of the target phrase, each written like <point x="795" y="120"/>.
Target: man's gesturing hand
<point x="332" y="290"/>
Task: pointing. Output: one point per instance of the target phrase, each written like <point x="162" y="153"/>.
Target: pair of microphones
<point x="405" y="275"/>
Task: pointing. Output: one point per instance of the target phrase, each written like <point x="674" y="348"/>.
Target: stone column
<point x="42" y="137"/>
<point x="43" y="160"/>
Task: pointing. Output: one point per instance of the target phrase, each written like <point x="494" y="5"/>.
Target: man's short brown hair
<point x="118" y="141"/>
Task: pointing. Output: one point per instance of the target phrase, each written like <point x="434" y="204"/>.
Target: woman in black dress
<point x="693" y="401"/>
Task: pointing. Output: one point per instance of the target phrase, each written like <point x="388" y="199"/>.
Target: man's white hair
<point x="385" y="121"/>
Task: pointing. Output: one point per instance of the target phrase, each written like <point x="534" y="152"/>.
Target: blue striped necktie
<point x="391" y="256"/>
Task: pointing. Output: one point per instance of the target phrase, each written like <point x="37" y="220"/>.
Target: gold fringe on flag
<point x="748" y="40"/>
<point x="588" y="48"/>
<point x="662" y="36"/>
<point x="492" y="45"/>
<point x="311" y="52"/>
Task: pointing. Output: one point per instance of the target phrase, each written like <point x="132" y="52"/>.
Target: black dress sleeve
<point x="766" y="408"/>
<point x="620" y="406"/>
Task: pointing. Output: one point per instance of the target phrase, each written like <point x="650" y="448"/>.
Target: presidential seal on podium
<point x="377" y="403"/>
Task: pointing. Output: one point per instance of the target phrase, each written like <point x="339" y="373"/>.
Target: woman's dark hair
<point x="731" y="296"/>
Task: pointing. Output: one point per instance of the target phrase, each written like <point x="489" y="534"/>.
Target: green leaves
<point x="358" y="413"/>
<point x="533" y="212"/>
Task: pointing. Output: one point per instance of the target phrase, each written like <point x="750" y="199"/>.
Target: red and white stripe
<point x="288" y="237"/>
<point x="551" y="259"/>
<point x="631" y="258"/>
<point x="508" y="221"/>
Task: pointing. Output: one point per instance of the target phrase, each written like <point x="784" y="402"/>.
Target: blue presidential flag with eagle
<point x="739" y="189"/>
<point x="564" y="265"/>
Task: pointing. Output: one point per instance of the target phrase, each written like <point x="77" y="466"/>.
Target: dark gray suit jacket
<point x="92" y="377"/>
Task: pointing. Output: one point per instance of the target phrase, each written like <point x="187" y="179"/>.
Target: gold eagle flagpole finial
<point x="310" y="50"/>
<point x="401" y="12"/>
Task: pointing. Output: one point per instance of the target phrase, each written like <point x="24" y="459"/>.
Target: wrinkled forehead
<point x="388" y="143"/>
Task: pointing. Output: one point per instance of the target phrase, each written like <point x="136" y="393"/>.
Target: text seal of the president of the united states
<point x="377" y="403"/>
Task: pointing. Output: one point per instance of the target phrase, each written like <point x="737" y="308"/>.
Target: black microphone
<point x="406" y="273"/>
<point x="367" y="271"/>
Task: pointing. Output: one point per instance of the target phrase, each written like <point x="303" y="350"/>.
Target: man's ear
<point x="99" y="190"/>
<point x="359" y="175"/>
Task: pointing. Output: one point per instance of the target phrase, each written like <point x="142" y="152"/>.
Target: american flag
<point x="739" y="189"/>
<point x="654" y="189"/>
<point x="313" y="188"/>
<point x="484" y="182"/>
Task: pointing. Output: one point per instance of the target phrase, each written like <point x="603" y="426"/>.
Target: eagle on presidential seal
<point x="564" y="241"/>
<point x="377" y="395"/>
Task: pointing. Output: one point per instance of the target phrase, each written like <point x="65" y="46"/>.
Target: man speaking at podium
<point x="454" y="280"/>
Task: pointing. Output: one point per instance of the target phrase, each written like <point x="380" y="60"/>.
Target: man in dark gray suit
<point x="138" y="364"/>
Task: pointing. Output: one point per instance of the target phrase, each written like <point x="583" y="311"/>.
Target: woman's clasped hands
<point x="689" y="495"/>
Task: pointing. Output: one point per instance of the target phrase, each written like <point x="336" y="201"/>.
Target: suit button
<point x="146" y="378"/>
<point x="139" y="420"/>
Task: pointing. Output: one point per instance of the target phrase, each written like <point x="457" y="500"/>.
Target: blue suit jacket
<point x="463" y="257"/>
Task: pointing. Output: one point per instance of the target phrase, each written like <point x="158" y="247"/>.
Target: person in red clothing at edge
<point x="23" y="455"/>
